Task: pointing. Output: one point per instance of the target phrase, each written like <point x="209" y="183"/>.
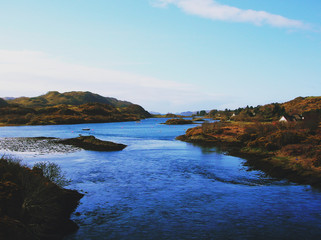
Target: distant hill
<point x="68" y="108"/>
<point x="296" y="109"/>
<point x="301" y="105"/>
<point x="8" y="98"/>
<point x="3" y="102"/>
<point x="68" y="98"/>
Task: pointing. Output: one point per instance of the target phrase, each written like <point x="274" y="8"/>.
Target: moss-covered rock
<point x="178" y="121"/>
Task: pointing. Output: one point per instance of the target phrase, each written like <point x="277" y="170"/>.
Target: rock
<point x="92" y="143"/>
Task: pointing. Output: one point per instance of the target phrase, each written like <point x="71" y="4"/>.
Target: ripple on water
<point x="159" y="188"/>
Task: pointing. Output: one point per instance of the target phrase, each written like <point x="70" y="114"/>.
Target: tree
<point x="202" y="113"/>
<point x="213" y="113"/>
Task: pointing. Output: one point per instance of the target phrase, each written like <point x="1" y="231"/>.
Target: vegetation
<point x="68" y="108"/>
<point x="54" y="98"/>
<point x="178" y="121"/>
<point x="294" y="149"/>
<point x="31" y="206"/>
<point x="290" y="148"/>
<point x="295" y="110"/>
<point x="53" y="172"/>
<point x="3" y="103"/>
<point x="171" y="115"/>
<point x="302" y="105"/>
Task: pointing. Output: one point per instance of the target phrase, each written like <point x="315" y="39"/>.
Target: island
<point x="92" y="143"/>
<point x="178" y="121"/>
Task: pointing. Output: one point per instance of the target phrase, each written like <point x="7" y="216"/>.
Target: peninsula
<point x="283" y="140"/>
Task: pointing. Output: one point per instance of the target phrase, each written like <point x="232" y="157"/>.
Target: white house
<point x="283" y="119"/>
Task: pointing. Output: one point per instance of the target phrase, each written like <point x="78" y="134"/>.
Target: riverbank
<point x="31" y="206"/>
<point x="283" y="151"/>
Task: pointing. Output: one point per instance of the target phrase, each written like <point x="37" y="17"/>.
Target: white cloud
<point x="214" y="10"/>
<point x="29" y="73"/>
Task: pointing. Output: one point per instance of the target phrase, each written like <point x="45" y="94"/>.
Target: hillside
<point x="54" y="98"/>
<point x="298" y="108"/>
<point x="3" y="103"/>
<point x="32" y="205"/>
<point x="287" y="149"/>
<point x="301" y="105"/>
<point x="68" y="108"/>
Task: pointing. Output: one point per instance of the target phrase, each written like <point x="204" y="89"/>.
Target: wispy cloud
<point x="30" y="73"/>
<point x="212" y="9"/>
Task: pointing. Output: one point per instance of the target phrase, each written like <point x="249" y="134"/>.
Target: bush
<point x="215" y="128"/>
<point x="53" y="172"/>
<point x="260" y="129"/>
<point x="285" y="137"/>
<point x="31" y="206"/>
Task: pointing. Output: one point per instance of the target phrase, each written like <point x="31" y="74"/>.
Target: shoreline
<point x="268" y="162"/>
<point x="77" y="123"/>
<point x="33" y="207"/>
<point x="40" y="145"/>
<point x="50" y="145"/>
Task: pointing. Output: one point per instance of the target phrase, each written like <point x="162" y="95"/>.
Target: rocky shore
<point x="47" y="145"/>
<point x="41" y="145"/>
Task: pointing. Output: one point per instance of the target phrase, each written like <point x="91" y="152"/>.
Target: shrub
<point x="216" y="127"/>
<point x="298" y="150"/>
<point x="260" y="129"/>
<point x="285" y="137"/>
<point x="53" y="172"/>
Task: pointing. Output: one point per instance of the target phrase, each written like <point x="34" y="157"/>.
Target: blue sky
<point x="166" y="55"/>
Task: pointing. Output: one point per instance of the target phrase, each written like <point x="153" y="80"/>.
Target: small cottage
<point x="294" y="118"/>
<point x="283" y="119"/>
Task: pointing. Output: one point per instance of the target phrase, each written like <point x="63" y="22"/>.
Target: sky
<point x="165" y="55"/>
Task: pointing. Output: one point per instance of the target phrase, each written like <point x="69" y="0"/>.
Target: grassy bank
<point x="284" y="150"/>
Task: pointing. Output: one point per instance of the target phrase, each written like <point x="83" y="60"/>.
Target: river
<point x="160" y="188"/>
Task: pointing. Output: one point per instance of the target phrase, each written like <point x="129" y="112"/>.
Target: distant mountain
<point x="68" y="98"/>
<point x="8" y="98"/>
<point x="155" y="113"/>
<point x="68" y="108"/>
<point x="187" y="114"/>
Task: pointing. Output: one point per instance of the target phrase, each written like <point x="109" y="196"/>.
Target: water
<point x="160" y="188"/>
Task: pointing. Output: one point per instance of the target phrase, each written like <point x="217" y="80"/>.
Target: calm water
<point x="160" y="188"/>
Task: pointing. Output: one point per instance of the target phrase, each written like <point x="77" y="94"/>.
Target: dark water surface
<point x="160" y="188"/>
